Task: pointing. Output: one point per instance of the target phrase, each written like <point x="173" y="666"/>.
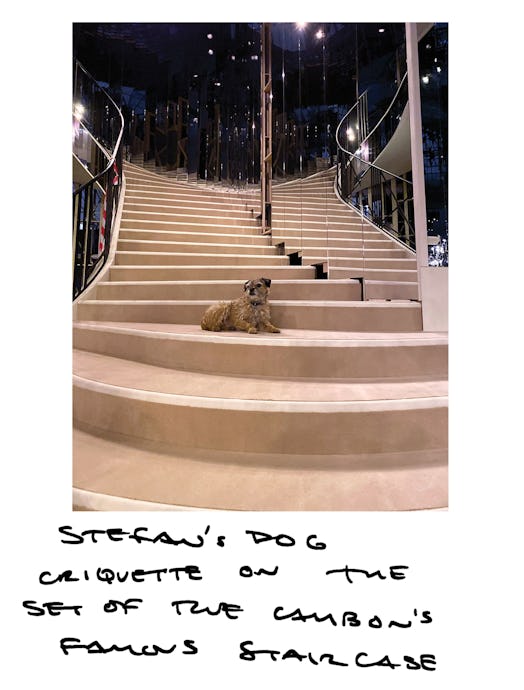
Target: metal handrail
<point x="358" y="181"/>
<point x="95" y="202"/>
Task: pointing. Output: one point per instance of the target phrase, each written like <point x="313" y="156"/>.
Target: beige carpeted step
<point x="209" y="224"/>
<point x="312" y="240"/>
<point x="196" y="247"/>
<point x="315" y="315"/>
<point x="174" y="206"/>
<point x="259" y="415"/>
<point x="152" y="258"/>
<point x="368" y="261"/>
<point x="209" y="272"/>
<point x="188" y="236"/>
<point x="349" y="232"/>
<point x="319" y="252"/>
<point x="112" y="472"/>
<point x="290" y="354"/>
<point x="348" y="290"/>
<point x="388" y="289"/>
<point x="388" y="275"/>
<point x="224" y="217"/>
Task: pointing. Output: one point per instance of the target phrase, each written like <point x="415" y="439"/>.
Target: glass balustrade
<point x="97" y="174"/>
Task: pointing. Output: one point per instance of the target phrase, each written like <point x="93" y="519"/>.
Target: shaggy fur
<point x="248" y="313"/>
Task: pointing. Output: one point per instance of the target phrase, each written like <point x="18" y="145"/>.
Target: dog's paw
<point x="252" y="330"/>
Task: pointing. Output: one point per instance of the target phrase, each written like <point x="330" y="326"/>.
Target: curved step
<point x="209" y="272"/>
<point x="215" y="217"/>
<point x="152" y="258"/>
<point x="293" y="354"/>
<point x="191" y="236"/>
<point x="113" y="472"/>
<point x="194" y="247"/>
<point x="227" y="290"/>
<point x="246" y="414"/>
<point x="303" y="314"/>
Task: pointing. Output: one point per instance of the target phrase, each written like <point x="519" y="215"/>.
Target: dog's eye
<point x="259" y="284"/>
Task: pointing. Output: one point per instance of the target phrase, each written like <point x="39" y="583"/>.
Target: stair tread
<point x="286" y="338"/>
<point x="198" y="245"/>
<point x="157" y="382"/>
<point x="305" y="281"/>
<point x="342" y="304"/>
<point x="111" y="467"/>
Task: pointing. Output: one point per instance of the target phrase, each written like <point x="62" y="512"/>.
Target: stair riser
<point x="385" y="317"/>
<point x="153" y="207"/>
<point x="334" y="214"/>
<point x="355" y="235"/>
<point x="320" y="224"/>
<point x="323" y="249"/>
<point x="153" y="259"/>
<point x="352" y="263"/>
<point x="182" y="195"/>
<point x="320" y="290"/>
<point x="372" y="274"/>
<point x="391" y="291"/>
<point x="335" y="242"/>
<point x="207" y="224"/>
<point x="176" y="236"/>
<point x="262" y="431"/>
<point x="199" y="230"/>
<point x="254" y="358"/>
<point x="190" y="195"/>
<point x="242" y="273"/>
<point x="305" y="187"/>
<point x="217" y="217"/>
<point x="197" y="247"/>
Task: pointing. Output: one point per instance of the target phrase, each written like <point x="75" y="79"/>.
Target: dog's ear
<point x="267" y="281"/>
<point x="246" y="285"/>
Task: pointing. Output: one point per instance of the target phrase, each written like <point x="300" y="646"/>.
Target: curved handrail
<point x="403" y="82"/>
<point x="359" y="177"/>
<point x="95" y="201"/>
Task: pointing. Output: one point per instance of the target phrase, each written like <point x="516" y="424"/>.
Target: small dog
<point x="248" y="313"/>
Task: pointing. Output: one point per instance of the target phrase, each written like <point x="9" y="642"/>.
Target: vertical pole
<point x="266" y="98"/>
<point x="417" y="153"/>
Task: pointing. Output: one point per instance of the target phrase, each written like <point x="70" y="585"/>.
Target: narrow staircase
<point x="345" y="409"/>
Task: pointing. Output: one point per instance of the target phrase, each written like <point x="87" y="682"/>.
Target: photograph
<point x="260" y="266"/>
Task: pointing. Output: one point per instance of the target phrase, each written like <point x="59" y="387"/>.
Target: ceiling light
<point x="78" y="111"/>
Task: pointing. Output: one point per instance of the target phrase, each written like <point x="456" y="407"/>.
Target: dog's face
<point x="257" y="290"/>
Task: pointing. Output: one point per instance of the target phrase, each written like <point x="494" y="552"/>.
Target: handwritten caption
<point x="351" y="575"/>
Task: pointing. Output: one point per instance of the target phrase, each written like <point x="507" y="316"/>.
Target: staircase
<point x="345" y="409"/>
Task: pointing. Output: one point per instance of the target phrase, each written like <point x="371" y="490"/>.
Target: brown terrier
<point x="248" y="313"/>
